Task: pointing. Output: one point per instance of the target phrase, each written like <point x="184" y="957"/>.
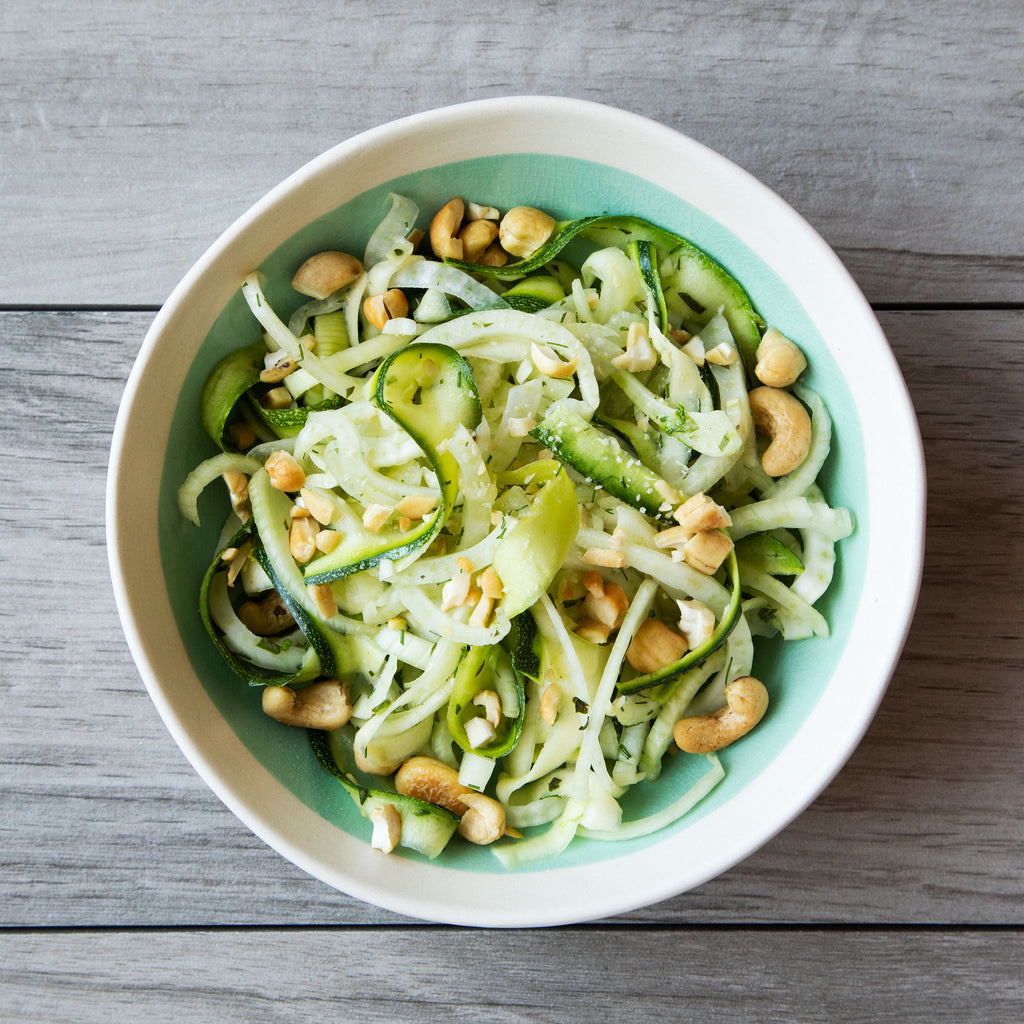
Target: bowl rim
<point x="412" y="893"/>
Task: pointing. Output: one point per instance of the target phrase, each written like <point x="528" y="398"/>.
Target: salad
<point x="512" y="499"/>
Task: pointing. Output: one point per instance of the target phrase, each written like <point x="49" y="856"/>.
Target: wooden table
<point x="133" y="133"/>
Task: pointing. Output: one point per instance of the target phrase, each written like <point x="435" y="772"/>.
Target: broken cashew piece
<point x="323" y="705"/>
<point x="780" y="416"/>
<point x="549" y="364"/>
<point x="387" y="827"/>
<point x="701" y="734"/>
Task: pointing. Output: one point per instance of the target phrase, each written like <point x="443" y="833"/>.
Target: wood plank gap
<point x="949" y="307"/>
<point x="783" y="927"/>
<point x="78" y="308"/>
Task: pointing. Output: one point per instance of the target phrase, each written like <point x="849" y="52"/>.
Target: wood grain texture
<point x="135" y="132"/>
<point x="397" y="976"/>
<point x="103" y="823"/>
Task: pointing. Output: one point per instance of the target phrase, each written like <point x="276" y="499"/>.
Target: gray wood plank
<point x="134" y="133"/>
<point x="399" y="976"/>
<point x="103" y="822"/>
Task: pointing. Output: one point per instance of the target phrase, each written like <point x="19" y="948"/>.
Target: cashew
<point x="780" y="416"/>
<point x="520" y="426"/>
<point x="327" y="540"/>
<point x="479" y="732"/>
<point x="490" y="584"/>
<point x="455" y="593"/>
<point x="323" y="597"/>
<point x="524" y="229"/>
<point x="484" y="821"/>
<point x="604" y="556"/>
<point x="605" y="602"/>
<point x="481" y="614"/>
<point x="302" y="538"/>
<point x="323" y="274"/>
<point x="379" y="309"/>
<point x="672" y="537"/>
<point x="319" y="506"/>
<point x="474" y="211"/>
<point x="236" y="559"/>
<point x="266" y="616"/>
<point x="416" y="506"/>
<point x="242" y="434"/>
<point x="747" y="701"/>
<point x="285" y="472"/>
<point x="696" y="622"/>
<point x="475" y="237"/>
<point x="694" y="348"/>
<point x="723" y="354"/>
<point x="705" y="551"/>
<point x="366" y="763"/>
<point x="549" y="364"/>
<point x="491" y="703"/>
<point x="639" y="354"/>
<point x="277" y="366"/>
<point x="654" y="647"/>
<point x="779" y="360"/>
<point x="493" y="256"/>
<point x="375" y="516"/>
<point x="387" y="827"/>
<point x="699" y="512"/>
<point x="277" y="398"/>
<point x="432" y="781"/>
<point x="595" y="632"/>
<point x="238" y="489"/>
<point x="549" y="703"/>
<point x="443" y="229"/>
<point x="323" y="705"/>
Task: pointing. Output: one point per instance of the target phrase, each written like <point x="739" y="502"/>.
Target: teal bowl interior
<point x="795" y="673"/>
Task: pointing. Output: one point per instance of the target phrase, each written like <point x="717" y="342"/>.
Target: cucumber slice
<point x="644" y="257"/>
<point x="528" y="556"/>
<point x="541" y="287"/>
<point x="600" y="458"/>
<point x="766" y="553"/>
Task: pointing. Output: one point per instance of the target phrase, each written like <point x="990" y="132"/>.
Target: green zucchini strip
<point x="426" y="828"/>
<point x="725" y="626"/>
<point x="229" y="380"/>
<point x="252" y="673"/>
<point x="429" y="391"/>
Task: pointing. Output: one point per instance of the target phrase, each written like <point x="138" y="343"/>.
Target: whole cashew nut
<point x="780" y="416"/>
<point x="701" y="734"/>
<point x="433" y="781"/>
<point x="444" y="229"/>
<point x="779" y="360"/>
<point x="484" y="822"/>
<point x="323" y="705"/>
<point x="524" y="229"/>
<point x="323" y="274"/>
<point x="482" y="818"/>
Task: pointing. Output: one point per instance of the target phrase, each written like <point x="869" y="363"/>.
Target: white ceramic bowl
<point x="572" y="158"/>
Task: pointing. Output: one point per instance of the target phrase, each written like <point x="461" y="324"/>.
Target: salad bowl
<point x="574" y="159"/>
